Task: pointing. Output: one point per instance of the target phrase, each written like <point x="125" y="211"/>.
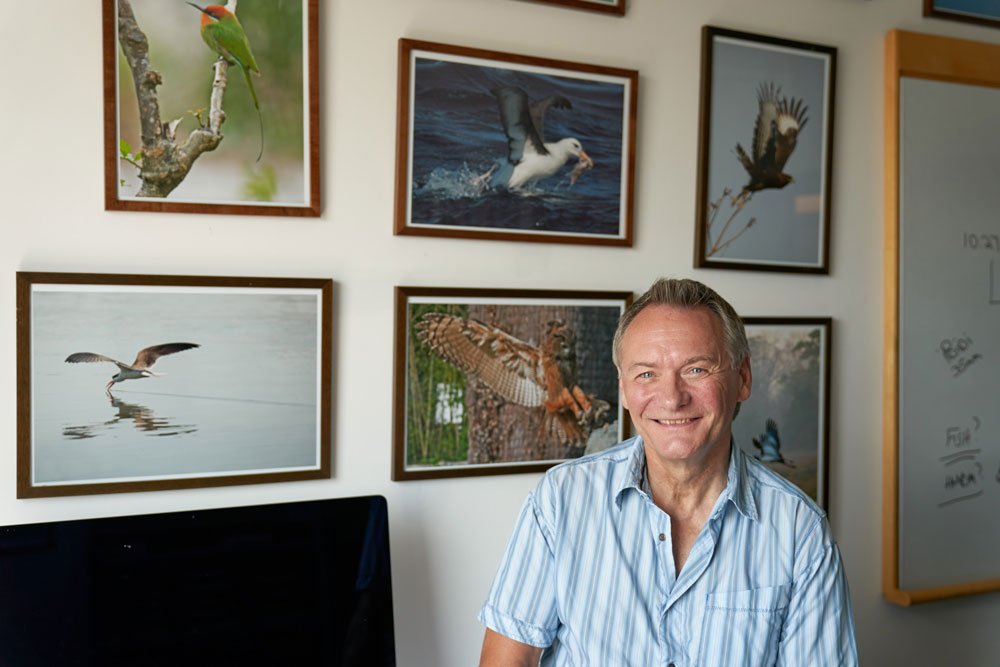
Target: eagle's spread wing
<point x="775" y="132"/>
<point x="507" y="365"/>
<point x="764" y="127"/>
<point x="790" y="121"/>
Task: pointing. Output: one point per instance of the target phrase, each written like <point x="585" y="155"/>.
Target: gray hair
<point x="691" y="294"/>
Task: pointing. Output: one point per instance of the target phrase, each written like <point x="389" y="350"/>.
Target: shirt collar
<point x="633" y="476"/>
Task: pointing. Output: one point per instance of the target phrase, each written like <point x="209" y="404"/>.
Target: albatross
<point x="529" y="156"/>
<point x="138" y="368"/>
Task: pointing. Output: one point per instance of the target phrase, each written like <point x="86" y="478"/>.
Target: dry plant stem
<point x="738" y="203"/>
<point x="164" y="164"/>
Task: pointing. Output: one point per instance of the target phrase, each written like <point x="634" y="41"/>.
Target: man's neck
<point x="687" y="493"/>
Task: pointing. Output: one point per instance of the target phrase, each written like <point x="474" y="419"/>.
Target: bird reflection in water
<point x="142" y="417"/>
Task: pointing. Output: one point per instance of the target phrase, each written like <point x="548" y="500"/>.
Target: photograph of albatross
<point x="140" y="368"/>
<point x="529" y="157"/>
<point x="515" y="148"/>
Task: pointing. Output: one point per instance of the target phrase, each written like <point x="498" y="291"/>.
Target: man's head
<point x="683" y="368"/>
<point x="686" y="293"/>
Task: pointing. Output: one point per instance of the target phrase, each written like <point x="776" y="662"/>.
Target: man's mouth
<point x="674" y="422"/>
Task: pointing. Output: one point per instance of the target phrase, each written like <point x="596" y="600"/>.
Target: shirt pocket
<point x="742" y="628"/>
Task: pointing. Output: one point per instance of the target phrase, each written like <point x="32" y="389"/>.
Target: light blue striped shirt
<point x="589" y="572"/>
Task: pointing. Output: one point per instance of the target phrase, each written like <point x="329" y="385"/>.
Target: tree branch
<point x="165" y="164"/>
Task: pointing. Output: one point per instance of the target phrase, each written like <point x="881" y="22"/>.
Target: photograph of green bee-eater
<point x="211" y="108"/>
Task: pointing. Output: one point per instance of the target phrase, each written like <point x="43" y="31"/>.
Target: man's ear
<point x="746" y="380"/>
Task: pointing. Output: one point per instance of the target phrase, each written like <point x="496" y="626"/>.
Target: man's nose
<point x="673" y="392"/>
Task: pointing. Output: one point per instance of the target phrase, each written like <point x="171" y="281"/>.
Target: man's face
<point x="678" y="385"/>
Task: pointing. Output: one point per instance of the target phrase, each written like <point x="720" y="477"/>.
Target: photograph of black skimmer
<point x="496" y="145"/>
<point x="138" y="369"/>
<point x="240" y="394"/>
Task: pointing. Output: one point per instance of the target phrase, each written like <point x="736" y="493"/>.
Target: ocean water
<point x="457" y="135"/>
<point x="244" y="401"/>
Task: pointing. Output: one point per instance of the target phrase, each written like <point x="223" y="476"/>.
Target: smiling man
<point x="673" y="548"/>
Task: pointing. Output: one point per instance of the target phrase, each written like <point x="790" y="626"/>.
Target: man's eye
<point x="645" y="375"/>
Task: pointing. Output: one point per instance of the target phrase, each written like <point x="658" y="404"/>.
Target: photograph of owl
<point x="543" y="376"/>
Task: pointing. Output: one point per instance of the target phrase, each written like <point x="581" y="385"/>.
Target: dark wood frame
<point x="950" y="15"/>
<point x="618" y="8"/>
<point x="709" y="33"/>
<point x="25" y="281"/>
<point x="404" y="163"/>
<point x="403" y="295"/>
<point x="938" y="58"/>
<point x="111" y="146"/>
<point x="825" y="323"/>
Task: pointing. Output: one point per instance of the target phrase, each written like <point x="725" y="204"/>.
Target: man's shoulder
<point x="774" y="491"/>
<point x="613" y="456"/>
<point x="609" y="468"/>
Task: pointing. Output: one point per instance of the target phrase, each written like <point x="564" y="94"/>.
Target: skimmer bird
<point x="138" y="368"/>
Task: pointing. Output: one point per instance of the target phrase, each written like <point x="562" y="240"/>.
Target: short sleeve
<point x="522" y="601"/>
<point x="819" y="627"/>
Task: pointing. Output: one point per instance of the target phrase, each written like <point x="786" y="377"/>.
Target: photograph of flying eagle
<point x="775" y="132"/>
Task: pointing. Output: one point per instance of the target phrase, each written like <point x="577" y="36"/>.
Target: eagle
<point x="779" y="122"/>
<point x="543" y="376"/>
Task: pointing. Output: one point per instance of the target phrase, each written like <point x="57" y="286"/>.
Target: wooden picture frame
<point x="763" y="199"/>
<point x="979" y="12"/>
<point x="212" y="150"/>
<point x="940" y="480"/>
<point x="616" y="7"/>
<point x="785" y="423"/>
<point x="243" y="398"/>
<point x="458" y="174"/>
<point x="471" y="396"/>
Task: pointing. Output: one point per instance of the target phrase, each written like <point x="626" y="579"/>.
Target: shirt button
<point x="662" y="539"/>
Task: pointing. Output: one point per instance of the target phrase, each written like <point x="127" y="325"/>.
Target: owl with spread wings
<point x="779" y="122"/>
<point x="542" y="376"/>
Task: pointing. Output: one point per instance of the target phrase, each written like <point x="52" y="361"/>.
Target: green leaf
<point x="124" y="147"/>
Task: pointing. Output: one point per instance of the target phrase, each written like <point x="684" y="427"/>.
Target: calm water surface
<point x="244" y="401"/>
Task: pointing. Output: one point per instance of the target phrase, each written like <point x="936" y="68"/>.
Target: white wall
<point x="447" y="536"/>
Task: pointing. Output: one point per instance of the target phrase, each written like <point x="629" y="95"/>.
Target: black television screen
<point x="302" y="583"/>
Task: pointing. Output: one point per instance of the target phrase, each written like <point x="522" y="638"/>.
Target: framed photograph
<point x="983" y="12"/>
<point x="606" y="6"/>
<point x="765" y="153"/>
<point x="230" y="382"/>
<point x="493" y="145"/>
<point x="186" y="131"/>
<point x="491" y="381"/>
<point x="785" y="423"/>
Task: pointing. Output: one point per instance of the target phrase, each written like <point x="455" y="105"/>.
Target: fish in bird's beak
<point x="582" y="165"/>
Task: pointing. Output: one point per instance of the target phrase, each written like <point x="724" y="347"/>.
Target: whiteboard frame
<point x="922" y="56"/>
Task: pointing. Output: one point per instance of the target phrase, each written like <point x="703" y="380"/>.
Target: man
<point x="672" y="548"/>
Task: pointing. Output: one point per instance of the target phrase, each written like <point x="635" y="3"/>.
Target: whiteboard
<point x="949" y="334"/>
<point x="941" y="368"/>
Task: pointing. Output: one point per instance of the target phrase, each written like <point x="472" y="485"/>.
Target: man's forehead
<point x="697" y="330"/>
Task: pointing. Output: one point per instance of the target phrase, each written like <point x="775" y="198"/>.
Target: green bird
<point x="223" y="33"/>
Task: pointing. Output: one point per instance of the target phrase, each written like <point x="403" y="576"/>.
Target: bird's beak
<point x="585" y="159"/>
<point x="199" y="8"/>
